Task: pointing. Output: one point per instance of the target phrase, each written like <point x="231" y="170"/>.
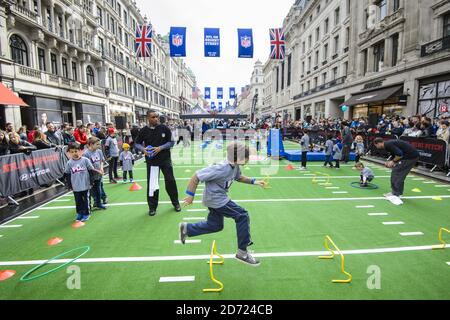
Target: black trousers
<point x="399" y="174"/>
<point x="112" y="169"/>
<point x="125" y="174"/>
<point x="345" y="153"/>
<point x="82" y="202"/>
<point x="328" y="160"/>
<point x="304" y="153"/>
<point x="171" y="185"/>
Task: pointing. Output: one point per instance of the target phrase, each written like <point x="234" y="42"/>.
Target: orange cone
<point x="78" y="224"/>
<point x="289" y="167"/>
<point x="54" y="241"/>
<point x="6" y="274"/>
<point x="135" y="187"/>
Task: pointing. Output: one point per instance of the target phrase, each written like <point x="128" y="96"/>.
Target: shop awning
<point x="373" y="96"/>
<point x="7" y="97"/>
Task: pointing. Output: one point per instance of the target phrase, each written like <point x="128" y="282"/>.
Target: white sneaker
<point x="302" y="168"/>
<point x="395" y="200"/>
<point x="388" y="195"/>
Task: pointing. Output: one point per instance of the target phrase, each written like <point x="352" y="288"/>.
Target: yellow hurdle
<point x="327" y="176"/>
<point x="211" y="273"/>
<point x="328" y="239"/>
<point x="266" y="180"/>
<point x="443" y="244"/>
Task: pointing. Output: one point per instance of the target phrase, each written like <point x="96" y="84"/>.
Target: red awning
<point x="7" y="97"/>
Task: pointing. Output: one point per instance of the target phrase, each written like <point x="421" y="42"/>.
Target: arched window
<point x="90" y="76"/>
<point x="111" y="79"/>
<point x="19" y="51"/>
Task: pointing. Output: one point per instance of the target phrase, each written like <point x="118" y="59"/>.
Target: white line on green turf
<point x="378" y="214"/>
<point x="429" y="182"/>
<point x="368" y="206"/>
<point x="62" y="200"/>
<point x="196" y="210"/>
<point x="441" y="185"/>
<point x="415" y="233"/>
<point x="393" y="223"/>
<point x="194" y="218"/>
<point x="226" y="256"/>
<point x="187" y="241"/>
<point x="261" y="200"/>
<point x="177" y="279"/>
<point x="448" y="263"/>
<point x="332" y="187"/>
<point x="418" y="179"/>
<point x="339" y="192"/>
<point x="28" y="217"/>
<point x="11" y="226"/>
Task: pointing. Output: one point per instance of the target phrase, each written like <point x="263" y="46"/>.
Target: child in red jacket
<point x="80" y="135"/>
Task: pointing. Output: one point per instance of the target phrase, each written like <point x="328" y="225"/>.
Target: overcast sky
<point x="228" y="15"/>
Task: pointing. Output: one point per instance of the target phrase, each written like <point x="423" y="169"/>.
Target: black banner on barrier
<point x="432" y="151"/>
<point x="20" y="172"/>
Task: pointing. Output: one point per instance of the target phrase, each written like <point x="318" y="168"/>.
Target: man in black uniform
<point x="159" y="137"/>
<point x="405" y="157"/>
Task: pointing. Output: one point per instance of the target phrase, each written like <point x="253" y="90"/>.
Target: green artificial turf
<point x="294" y="215"/>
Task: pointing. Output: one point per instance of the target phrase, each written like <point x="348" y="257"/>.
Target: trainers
<point x="131" y="180"/>
<point x="79" y="217"/>
<point x="183" y="232"/>
<point x="177" y="208"/>
<point x="113" y="181"/>
<point x="85" y="218"/>
<point x="301" y="168"/>
<point x="124" y="181"/>
<point x="105" y="200"/>
<point x="151" y="212"/>
<point x="395" y="200"/>
<point x="247" y="258"/>
<point x="99" y="206"/>
<point x="388" y="195"/>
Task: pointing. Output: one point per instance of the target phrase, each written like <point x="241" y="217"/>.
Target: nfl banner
<point x="245" y="40"/>
<point x="232" y="93"/>
<point x="220" y="106"/>
<point x="212" y="42"/>
<point x="177" y="41"/>
<point x="219" y="93"/>
<point x="143" y="41"/>
<point x="213" y="105"/>
<point x="207" y="93"/>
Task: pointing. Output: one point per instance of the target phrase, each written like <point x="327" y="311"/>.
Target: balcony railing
<point x="435" y="46"/>
<point x="325" y="86"/>
<point x="26" y="71"/>
<point x="25" y="12"/>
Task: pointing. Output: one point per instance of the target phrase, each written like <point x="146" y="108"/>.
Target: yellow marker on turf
<point x="266" y="180"/>
<point x="437" y="198"/>
<point x="211" y="273"/>
<point x="328" y="239"/>
<point x="326" y="175"/>
<point x="416" y="190"/>
<point x="441" y="246"/>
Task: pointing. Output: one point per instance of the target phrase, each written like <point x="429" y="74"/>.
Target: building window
<point x="100" y="15"/>
<point x="347" y="37"/>
<point x="394" y="49"/>
<point x="90" y="76"/>
<point x="336" y="44"/>
<point x="335" y="73"/>
<point x="277" y="82"/>
<point x="303" y="47"/>
<point x="309" y="41"/>
<point x="396" y="5"/>
<point x="365" y="64"/>
<point x="348" y="7"/>
<point x="325" y="51"/>
<point x="309" y="64"/>
<point x="282" y="75"/>
<point x="289" y="70"/>
<point x="337" y="13"/>
<point x="303" y="67"/>
<point x="345" y="68"/>
<point x="19" y="51"/>
<point x="121" y="83"/>
<point x="111" y="79"/>
<point x="378" y="55"/>
<point x="317" y="34"/>
<point x="65" y="72"/>
<point x="382" y="5"/>
<point x="326" y="26"/>
<point x="41" y="58"/>
<point x="74" y="71"/>
<point x="324" y="78"/>
<point x="447" y="25"/>
<point x="54" y="65"/>
<point x="315" y="82"/>
<point x="101" y="45"/>
<point x="130" y="92"/>
<point x="316" y="58"/>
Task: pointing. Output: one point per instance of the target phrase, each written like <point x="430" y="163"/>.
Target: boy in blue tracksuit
<point x="218" y="179"/>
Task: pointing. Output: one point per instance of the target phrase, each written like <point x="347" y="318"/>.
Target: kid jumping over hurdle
<point x="218" y="179"/>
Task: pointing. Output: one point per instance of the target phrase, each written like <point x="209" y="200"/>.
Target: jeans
<point x="98" y="192"/>
<point x="82" y="202"/>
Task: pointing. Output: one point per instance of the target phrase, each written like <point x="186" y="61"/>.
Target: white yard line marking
<point x="28" y="217"/>
<point x="226" y="256"/>
<point x="378" y="214"/>
<point x="332" y="187"/>
<point x="418" y="179"/>
<point x="448" y="263"/>
<point x="415" y="233"/>
<point x="62" y="200"/>
<point x="388" y="223"/>
<point x="177" y="279"/>
<point x="259" y="200"/>
<point x="428" y="182"/>
<point x="441" y="186"/>
<point x="368" y="206"/>
<point x="194" y="218"/>
<point x="339" y="192"/>
<point x="196" y="210"/>
<point x="11" y="225"/>
<point x="187" y="241"/>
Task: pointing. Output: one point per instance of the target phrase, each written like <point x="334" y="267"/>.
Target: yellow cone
<point x="416" y="190"/>
<point x="437" y="198"/>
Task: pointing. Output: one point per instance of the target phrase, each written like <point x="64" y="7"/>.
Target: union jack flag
<point x="143" y="44"/>
<point x="277" y="44"/>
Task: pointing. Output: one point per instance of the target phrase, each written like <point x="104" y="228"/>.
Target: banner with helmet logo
<point x="177" y="40"/>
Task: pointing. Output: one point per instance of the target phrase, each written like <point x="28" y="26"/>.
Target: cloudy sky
<point x="228" y="15"/>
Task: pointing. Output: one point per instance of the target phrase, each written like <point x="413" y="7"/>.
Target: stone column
<point x="388" y="52"/>
<point x="327" y="108"/>
<point x="52" y="16"/>
<point x="4" y="47"/>
<point x="64" y="27"/>
<point x="370" y="59"/>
